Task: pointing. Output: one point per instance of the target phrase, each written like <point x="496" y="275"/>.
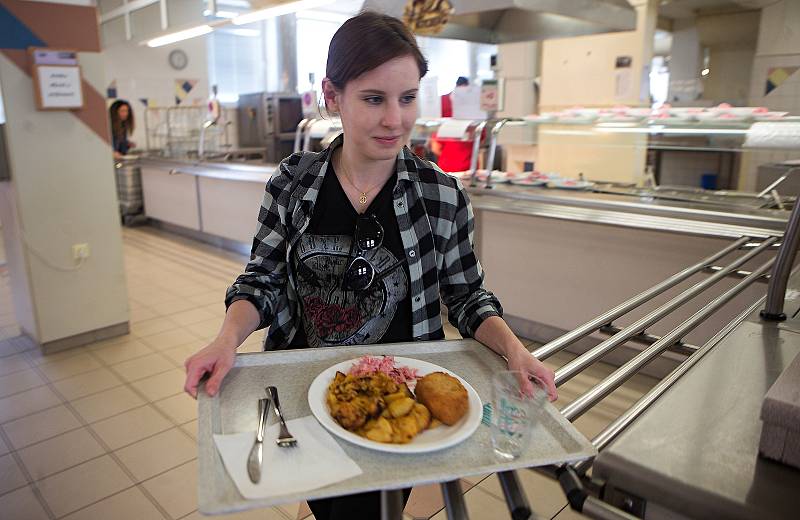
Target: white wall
<point x="582" y="71"/>
<point x="729" y="79"/>
<point x="778" y="46"/>
<point x="144" y="72"/>
<point x="731" y="41"/>
<point x="64" y="194"/>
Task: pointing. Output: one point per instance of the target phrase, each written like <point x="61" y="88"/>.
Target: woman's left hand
<point x="523" y="361"/>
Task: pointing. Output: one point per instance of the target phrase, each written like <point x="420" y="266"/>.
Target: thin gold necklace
<point x="362" y="198"/>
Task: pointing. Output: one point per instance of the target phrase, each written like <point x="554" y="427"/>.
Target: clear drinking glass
<point x="513" y="414"/>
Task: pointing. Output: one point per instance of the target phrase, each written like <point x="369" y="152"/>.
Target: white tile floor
<point x="105" y="431"/>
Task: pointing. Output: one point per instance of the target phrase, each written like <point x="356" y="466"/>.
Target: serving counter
<point x="217" y="202"/>
<point x="556" y="258"/>
<point x="553" y="257"/>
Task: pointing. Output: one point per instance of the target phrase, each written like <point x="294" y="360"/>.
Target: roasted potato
<point x="381" y="431"/>
<point x="422" y="415"/>
<point x="404" y="429"/>
<point x="401" y="407"/>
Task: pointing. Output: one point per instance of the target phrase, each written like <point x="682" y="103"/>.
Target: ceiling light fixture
<point x="279" y="10"/>
<point x="178" y="36"/>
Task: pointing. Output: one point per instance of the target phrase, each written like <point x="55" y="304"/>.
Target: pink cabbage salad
<point x="369" y="365"/>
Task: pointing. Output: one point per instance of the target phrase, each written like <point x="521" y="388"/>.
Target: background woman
<point x="122" y="126"/>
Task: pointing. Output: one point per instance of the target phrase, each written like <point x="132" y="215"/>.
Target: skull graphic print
<point x="334" y="316"/>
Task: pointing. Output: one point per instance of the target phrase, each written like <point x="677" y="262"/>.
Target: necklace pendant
<point x="363" y="198"/>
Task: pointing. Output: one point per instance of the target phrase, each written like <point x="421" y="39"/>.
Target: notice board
<point x="57" y="82"/>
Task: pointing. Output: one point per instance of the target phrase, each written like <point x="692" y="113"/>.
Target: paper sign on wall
<point x="56" y="79"/>
<point x="491" y="96"/>
<point x="60" y="87"/>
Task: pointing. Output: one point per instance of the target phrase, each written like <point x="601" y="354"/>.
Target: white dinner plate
<point x="429" y="440"/>
<point x="565" y="184"/>
<point x="529" y="181"/>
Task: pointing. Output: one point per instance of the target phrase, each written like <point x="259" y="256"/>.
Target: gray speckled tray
<point x="234" y="410"/>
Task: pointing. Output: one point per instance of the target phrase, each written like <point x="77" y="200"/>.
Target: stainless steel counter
<point x="703" y="218"/>
<point x="697" y="218"/>
<point x="694" y="452"/>
<point x="247" y="171"/>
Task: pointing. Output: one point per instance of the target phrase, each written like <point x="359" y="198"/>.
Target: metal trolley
<point x="580" y="490"/>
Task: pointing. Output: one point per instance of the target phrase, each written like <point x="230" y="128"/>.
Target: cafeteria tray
<point x="232" y="410"/>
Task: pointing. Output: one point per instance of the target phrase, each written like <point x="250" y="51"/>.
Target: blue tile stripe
<point x="14" y="34"/>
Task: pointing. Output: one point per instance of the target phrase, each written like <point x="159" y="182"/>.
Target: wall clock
<point x="178" y="59"/>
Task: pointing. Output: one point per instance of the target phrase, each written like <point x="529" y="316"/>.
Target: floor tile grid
<point x="168" y="418"/>
<point x="29" y="482"/>
<point x="137" y="484"/>
<point x="190" y="261"/>
<point x="256" y="338"/>
<point x="108" y="452"/>
<point x="66" y="356"/>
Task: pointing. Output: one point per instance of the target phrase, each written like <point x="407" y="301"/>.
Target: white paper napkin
<point x="317" y="461"/>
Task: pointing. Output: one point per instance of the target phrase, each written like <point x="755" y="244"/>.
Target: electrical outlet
<point x="80" y="252"/>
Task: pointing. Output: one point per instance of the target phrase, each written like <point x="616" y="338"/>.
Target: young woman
<point x="357" y="244"/>
<point x="122" y="126"/>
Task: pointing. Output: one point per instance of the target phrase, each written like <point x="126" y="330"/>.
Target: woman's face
<point x="378" y="109"/>
<point x="123" y="111"/>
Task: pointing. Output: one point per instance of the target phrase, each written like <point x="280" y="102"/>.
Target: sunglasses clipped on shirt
<point x="360" y="274"/>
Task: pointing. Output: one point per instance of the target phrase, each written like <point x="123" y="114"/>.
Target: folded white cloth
<point x="317" y="461"/>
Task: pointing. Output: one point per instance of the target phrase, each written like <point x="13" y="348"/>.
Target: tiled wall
<point x="785" y="98"/>
<point x="778" y="46"/>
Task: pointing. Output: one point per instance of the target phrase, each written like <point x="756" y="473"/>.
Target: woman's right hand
<point x="215" y="360"/>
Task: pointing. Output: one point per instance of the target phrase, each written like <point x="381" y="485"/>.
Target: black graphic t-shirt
<point x="330" y="314"/>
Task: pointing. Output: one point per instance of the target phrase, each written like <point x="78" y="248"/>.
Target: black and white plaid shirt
<point x="436" y="227"/>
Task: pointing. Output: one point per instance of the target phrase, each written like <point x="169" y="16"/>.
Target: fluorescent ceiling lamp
<point x="179" y="36"/>
<point x="279" y="10"/>
<point x="221" y="14"/>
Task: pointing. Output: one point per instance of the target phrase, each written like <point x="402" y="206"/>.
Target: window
<point x="449" y="59"/>
<point x="315" y="29"/>
<point x="236" y="61"/>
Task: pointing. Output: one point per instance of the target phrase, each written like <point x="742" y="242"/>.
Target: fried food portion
<point x="377" y="408"/>
<point x="444" y="396"/>
<point x="353" y="400"/>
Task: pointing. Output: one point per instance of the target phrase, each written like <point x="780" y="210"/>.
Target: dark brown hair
<point x="367" y="41"/>
<point x="121" y="128"/>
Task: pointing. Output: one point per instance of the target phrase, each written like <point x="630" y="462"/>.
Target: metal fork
<point x="285" y="439"/>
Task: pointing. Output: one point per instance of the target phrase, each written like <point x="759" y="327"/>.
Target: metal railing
<point x="623" y="308"/>
<point x="780" y="267"/>
<point x="779" y="277"/>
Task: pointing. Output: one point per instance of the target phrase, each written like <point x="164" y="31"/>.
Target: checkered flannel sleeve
<point x="265" y="275"/>
<point x="461" y="286"/>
